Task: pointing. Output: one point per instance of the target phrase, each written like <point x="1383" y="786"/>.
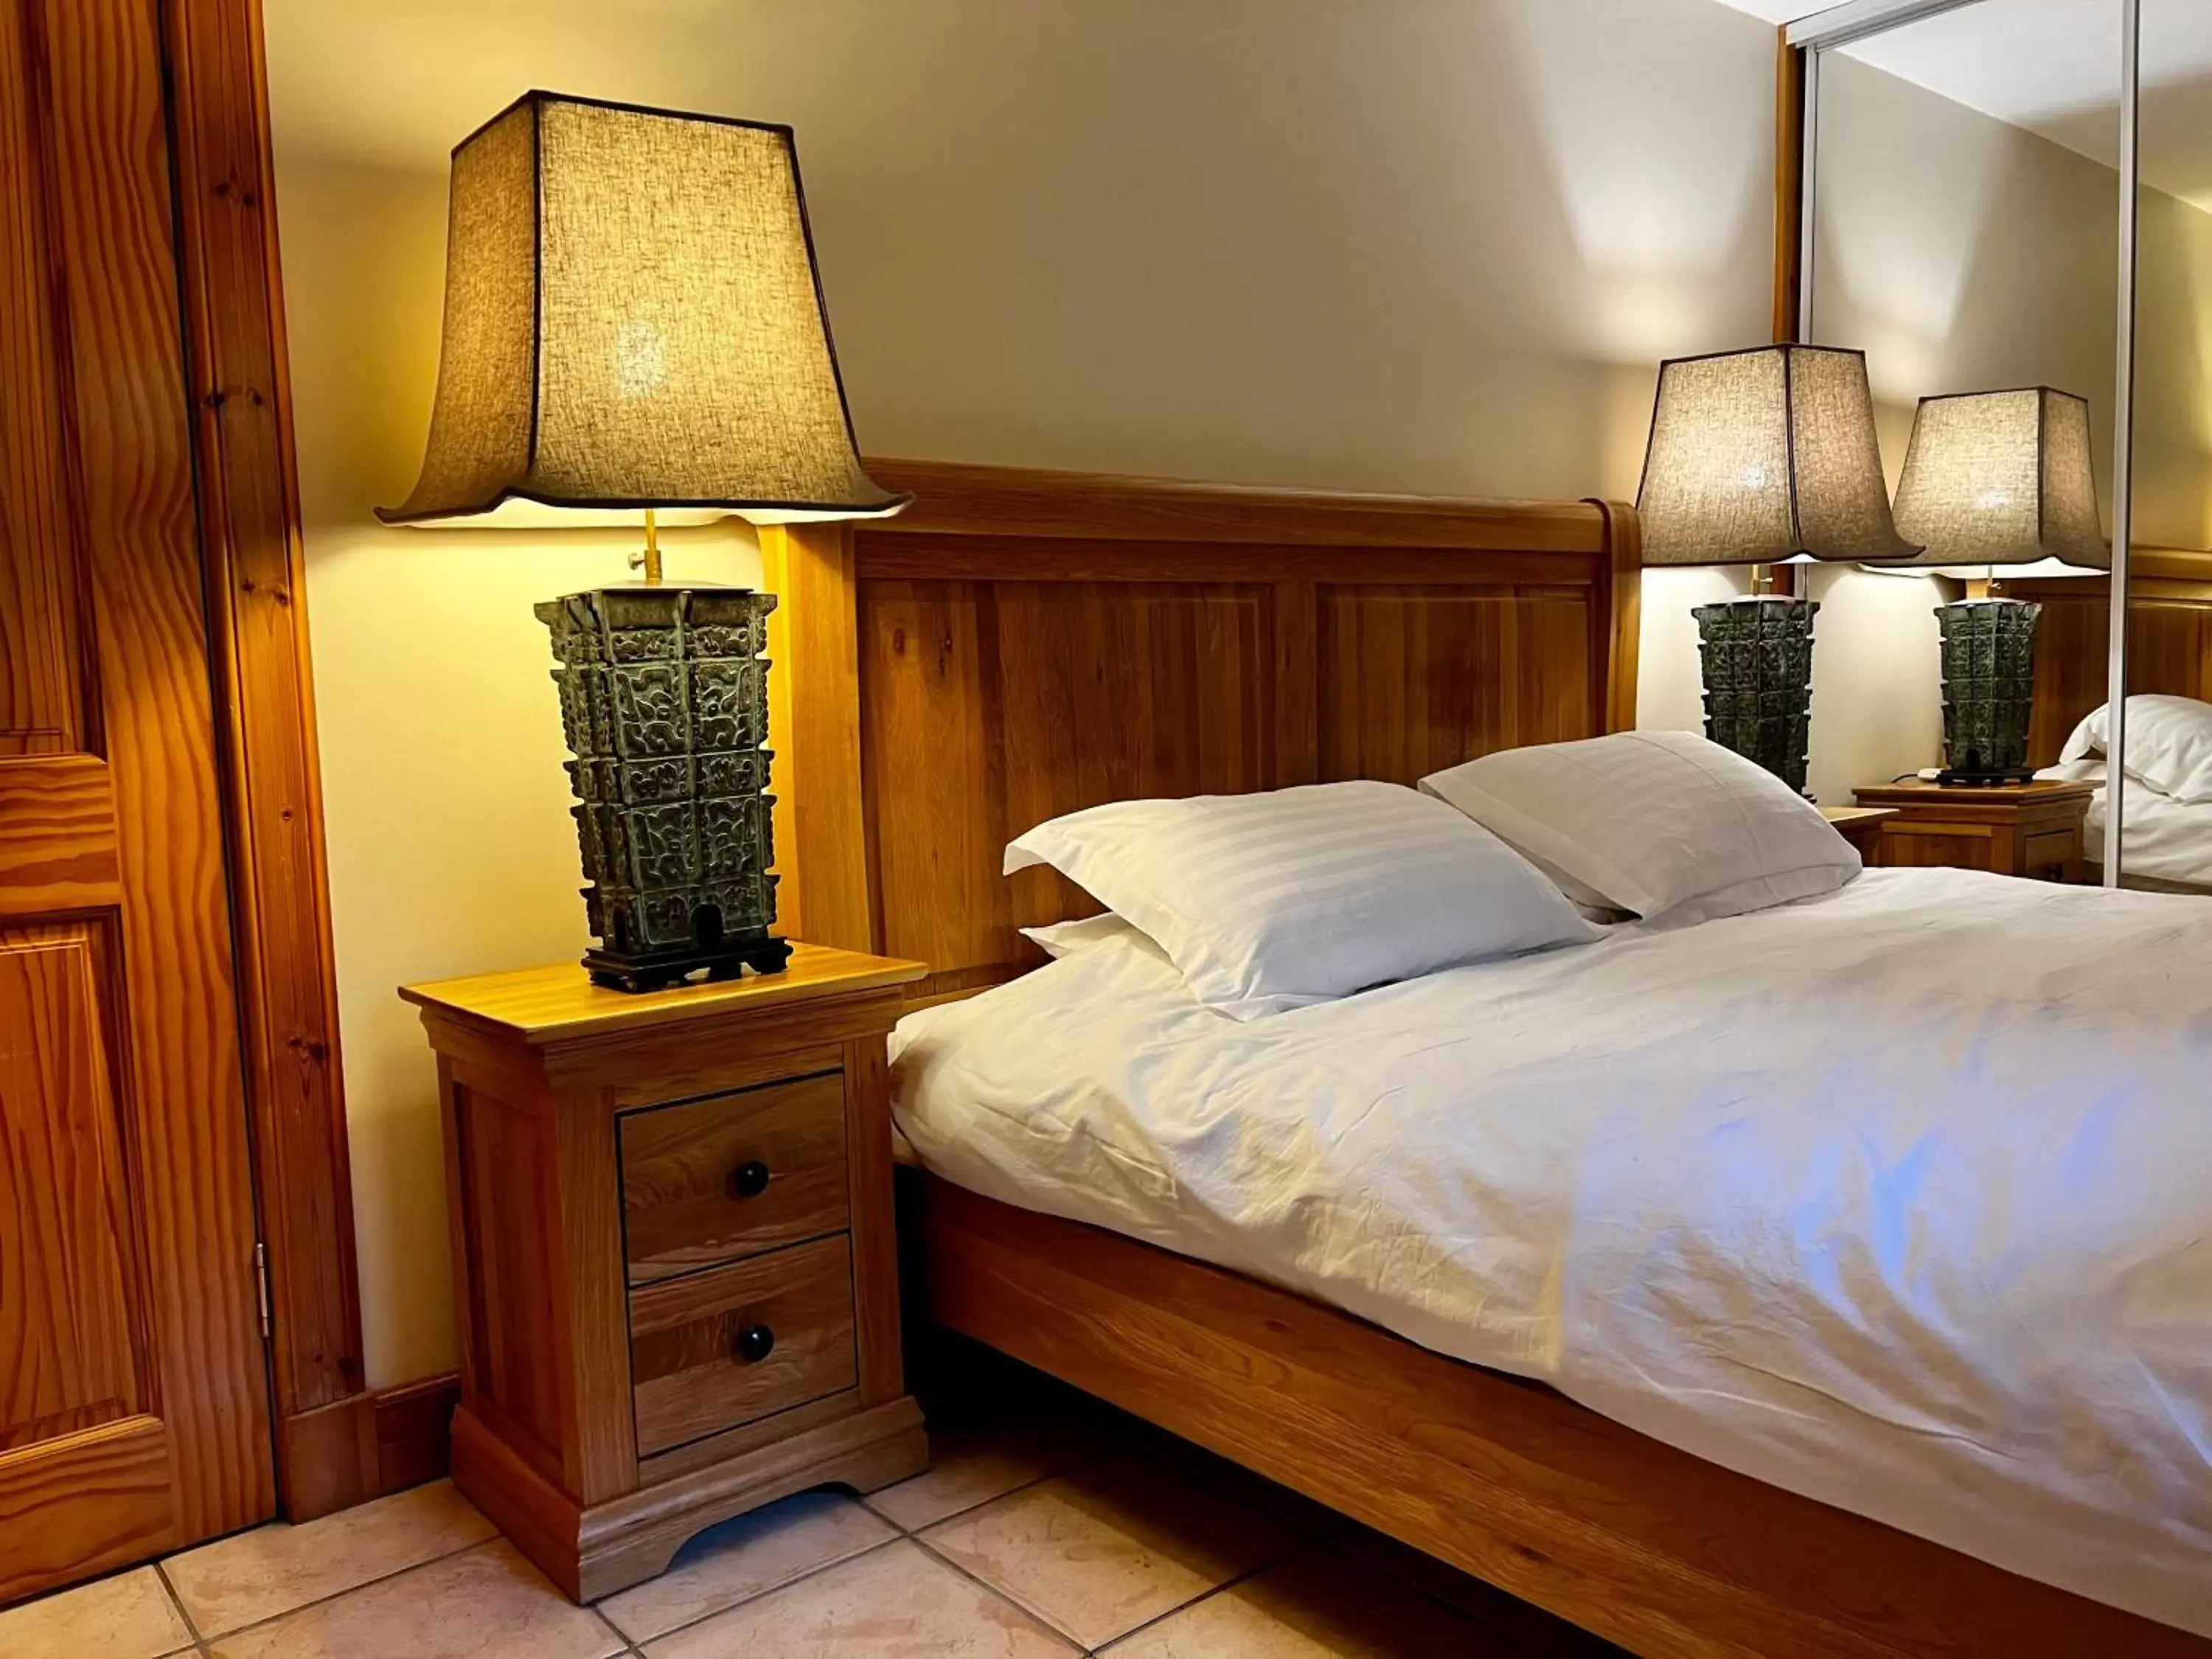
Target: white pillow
<point x="1270" y="902"/>
<point x="2169" y="744"/>
<point x="1653" y="822"/>
<point x="1067" y="939"/>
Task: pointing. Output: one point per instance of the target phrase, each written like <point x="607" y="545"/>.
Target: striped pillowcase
<point x="1277" y="900"/>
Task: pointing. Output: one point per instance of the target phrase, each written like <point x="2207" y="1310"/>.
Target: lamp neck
<point x="651" y="550"/>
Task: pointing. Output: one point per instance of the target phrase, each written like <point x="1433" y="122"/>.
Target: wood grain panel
<point x="78" y="1505"/>
<point x="40" y="561"/>
<point x="689" y="1377"/>
<point x="990" y="708"/>
<point x="1415" y="679"/>
<point x="2169" y="645"/>
<point x="509" y="1220"/>
<point x="682" y="1208"/>
<point x="58" y="851"/>
<point x="69" y="1354"/>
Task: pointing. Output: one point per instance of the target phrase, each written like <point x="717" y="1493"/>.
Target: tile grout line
<point x="1228" y="1584"/>
<point x="760" y="1595"/>
<point x="381" y="1578"/>
<point x="998" y="1594"/>
<point x="191" y="1624"/>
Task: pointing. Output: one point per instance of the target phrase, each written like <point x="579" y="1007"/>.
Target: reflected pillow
<point x="1653" y="823"/>
<point x="1270" y="902"/>
<point x="2169" y="744"/>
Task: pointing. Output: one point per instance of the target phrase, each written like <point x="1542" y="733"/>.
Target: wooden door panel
<point x="39" y="672"/>
<point x="68" y="1355"/>
<point x="58" y="853"/>
<point x="134" y="1413"/>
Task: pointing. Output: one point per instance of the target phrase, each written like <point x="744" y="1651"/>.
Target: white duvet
<point x="1899" y="1199"/>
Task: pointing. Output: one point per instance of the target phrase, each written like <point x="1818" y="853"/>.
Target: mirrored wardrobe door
<point x="1962" y="220"/>
<point x="2162" y="779"/>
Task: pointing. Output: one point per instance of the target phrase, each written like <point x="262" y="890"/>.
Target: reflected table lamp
<point x="1997" y="483"/>
<point x="633" y="323"/>
<point x="1763" y="457"/>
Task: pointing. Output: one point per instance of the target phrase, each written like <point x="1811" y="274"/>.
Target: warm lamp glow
<point x="1765" y="457"/>
<point x="633" y="320"/>
<point x="2003" y="478"/>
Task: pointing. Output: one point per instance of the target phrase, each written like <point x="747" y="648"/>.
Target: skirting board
<point x="414" y="1431"/>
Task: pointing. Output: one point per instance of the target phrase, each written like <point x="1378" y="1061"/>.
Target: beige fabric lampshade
<point x="1763" y="457"/>
<point x="2003" y="478"/>
<point x="633" y="319"/>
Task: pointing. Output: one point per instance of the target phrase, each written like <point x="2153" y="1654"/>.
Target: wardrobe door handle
<point x="755" y="1344"/>
<point x="749" y="1179"/>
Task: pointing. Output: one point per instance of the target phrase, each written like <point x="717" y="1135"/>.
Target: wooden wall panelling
<point x="814" y="733"/>
<point x="1788" y="184"/>
<point x="2169" y="642"/>
<point x="256" y="591"/>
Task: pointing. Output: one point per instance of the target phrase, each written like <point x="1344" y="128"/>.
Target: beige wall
<point x="1394" y="245"/>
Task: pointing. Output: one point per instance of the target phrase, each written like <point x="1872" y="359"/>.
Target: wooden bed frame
<point x="1022" y="644"/>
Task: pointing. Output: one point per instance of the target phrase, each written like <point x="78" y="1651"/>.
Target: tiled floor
<point x="1068" y="1532"/>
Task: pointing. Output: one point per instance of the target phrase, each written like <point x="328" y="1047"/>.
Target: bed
<point x="1021" y="645"/>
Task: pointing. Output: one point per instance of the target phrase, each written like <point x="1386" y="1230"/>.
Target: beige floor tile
<point x="258" y="1574"/>
<point x="129" y="1616"/>
<point x="485" y="1603"/>
<point x="1102" y="1550"/>
<point x="897" y="1602"/>
<point x="973" y="1463"/>
<point x="1320" y="1604"/>
<point x="741" y="1558"/>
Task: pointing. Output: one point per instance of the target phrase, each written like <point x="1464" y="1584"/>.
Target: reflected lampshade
<point x="1765" y="457"/>
<point x="633" y="319"/>
<point x="2003" y="479"/>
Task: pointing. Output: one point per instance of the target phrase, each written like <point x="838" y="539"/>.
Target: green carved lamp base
<point x="1757" y="657"/>
<point x="664" y="698"/>
<point x="1989" y="689"/>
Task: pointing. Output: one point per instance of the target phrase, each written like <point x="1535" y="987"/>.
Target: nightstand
<point x="675" y="1269"/>
<point x="1859" y="825"/>
<point x="2014" y="829"/>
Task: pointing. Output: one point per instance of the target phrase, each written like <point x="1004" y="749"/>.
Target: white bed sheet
<point x="2165" y="840"/>
<point x="1899" y="1198"/>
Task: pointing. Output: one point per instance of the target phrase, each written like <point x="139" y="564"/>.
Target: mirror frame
<point x="1796" y="149"/>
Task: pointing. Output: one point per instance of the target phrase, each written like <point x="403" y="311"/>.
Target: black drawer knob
<point x="755" y="1344"/>
<point x="749" y="1179"/>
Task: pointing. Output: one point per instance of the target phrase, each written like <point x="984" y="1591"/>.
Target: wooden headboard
<point x="2169" y="640"/>
<point x="1017" y="645"/>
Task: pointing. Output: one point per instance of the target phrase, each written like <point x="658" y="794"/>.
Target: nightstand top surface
<point x="1842" y="815"/>
<point x="547" y="1004"/>
<point x="1917" y="791"/>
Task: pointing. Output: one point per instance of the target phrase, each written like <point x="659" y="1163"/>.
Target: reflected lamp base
<point x="1988" y="655"/>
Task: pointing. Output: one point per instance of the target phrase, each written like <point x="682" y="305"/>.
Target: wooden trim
<point x="414" y="1431"/>
<point x="1649" y="1546"/>
<point x="249" y="516"/>
<point x="1789" y="184"/>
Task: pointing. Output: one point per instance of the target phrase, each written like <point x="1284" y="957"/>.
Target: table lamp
<point x="634" y="324"/>
<point x="1997" y="483"/>
<point x="1763" y="457"/>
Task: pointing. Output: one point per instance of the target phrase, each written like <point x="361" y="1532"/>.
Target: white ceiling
<point x="2053" y="66"/>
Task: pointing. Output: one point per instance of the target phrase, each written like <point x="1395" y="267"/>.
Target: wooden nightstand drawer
<point x="714" y="1180"/>
<point x="736" y="1343"/>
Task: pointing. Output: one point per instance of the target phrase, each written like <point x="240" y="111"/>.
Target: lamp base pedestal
<point x="1757" y="657"/>
<point x="658" y="971"/>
